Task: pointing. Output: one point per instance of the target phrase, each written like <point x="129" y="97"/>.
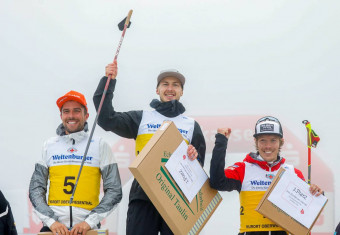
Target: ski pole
<point x="312" y="141"/>
<point x="126" y="25"/>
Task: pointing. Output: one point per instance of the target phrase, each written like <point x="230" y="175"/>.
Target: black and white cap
<point x="171" y="73"/>
<point x="268" y="125"/>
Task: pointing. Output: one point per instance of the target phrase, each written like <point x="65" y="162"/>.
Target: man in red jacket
<point x="252" y="177"/>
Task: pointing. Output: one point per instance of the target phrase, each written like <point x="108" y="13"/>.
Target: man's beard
<point x="80" y="127"/>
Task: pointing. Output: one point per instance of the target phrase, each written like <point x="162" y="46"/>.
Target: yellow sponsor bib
<point x="62" y="181"/>
<point x="255" y="183"/>
<point x="251" y="220"/>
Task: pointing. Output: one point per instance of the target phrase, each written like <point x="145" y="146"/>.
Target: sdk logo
<point x="270" y="176"/>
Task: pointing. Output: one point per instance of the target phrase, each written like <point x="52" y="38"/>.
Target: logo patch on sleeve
<point x="232" y="167"/>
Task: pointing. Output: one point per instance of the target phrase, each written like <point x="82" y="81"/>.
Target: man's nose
<point x="268" y="144"/>
<point x="170" y="88"/>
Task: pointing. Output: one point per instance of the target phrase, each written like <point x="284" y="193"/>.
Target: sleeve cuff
<point x="221" y="138"/>
<point x="92" y="224"/>
<point x="112" y="83"/>
<point x="49" y="222"/>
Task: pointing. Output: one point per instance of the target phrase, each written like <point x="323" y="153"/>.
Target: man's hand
<point x="224" y="131"/>
<point x="59" y="228"/>
<point x="315" y="190"/>
<point x="80" y="229"/>
<point x="111" y="70"/>
<point x="192" y="152"/>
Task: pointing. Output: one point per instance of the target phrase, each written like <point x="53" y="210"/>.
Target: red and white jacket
<point x="251" y="178"/>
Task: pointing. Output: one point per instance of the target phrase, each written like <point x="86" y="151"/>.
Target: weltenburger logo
<point x="259" y="182"/>
<point x="155" y="127"/>
<point x="70" y="157"/>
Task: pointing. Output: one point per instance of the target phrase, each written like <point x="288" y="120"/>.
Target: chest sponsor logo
<point x="70" y="158"/>
<point x="72" y="150"/>
<point x="154" y="127"/>
<point x="260" y="183"/>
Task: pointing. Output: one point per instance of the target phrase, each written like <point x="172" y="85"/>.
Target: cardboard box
<point x="148" y="168"/>
<point x="281" y="218"/>
<point x="90" y="232"/>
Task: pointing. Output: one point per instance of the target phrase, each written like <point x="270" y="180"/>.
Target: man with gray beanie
<point x="142" y="216"/>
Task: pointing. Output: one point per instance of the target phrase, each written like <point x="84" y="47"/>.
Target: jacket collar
<point x="76" y="136"/>
<point x="255" y="159"/>
<point x="169" y="109"/>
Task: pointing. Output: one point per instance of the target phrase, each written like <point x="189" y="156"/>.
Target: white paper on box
<point x="189" y="175"/>
<point x="292" y="195"/>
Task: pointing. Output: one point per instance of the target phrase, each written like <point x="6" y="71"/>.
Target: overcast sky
<point x="252" y="57"/>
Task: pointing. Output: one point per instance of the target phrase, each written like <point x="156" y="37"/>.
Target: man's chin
<point x="70" y="131"/>
<point x="167" y="100"/>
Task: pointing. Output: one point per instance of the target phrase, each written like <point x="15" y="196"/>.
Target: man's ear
<point x="87" y="116"/>
<point x="157" y="91"/>
<point x="282" y="142"/>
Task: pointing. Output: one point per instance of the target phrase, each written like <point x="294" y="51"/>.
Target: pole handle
<point x="305" y="122"/>
<point x="127" y="21"/>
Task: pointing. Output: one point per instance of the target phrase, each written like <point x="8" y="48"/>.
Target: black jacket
<point x="337" y="230"/>
<point x="7" y="224"/>
<point x="126" y="124"/>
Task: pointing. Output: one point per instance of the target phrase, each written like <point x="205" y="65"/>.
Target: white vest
<point x="255" y="183"/>
<point x="152" y="120"/>
<point x="63" y="159"/>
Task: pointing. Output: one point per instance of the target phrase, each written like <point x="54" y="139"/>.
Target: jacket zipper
<point x="71" y="216"/>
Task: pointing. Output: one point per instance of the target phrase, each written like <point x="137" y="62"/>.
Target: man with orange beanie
<point x="61" y="159"/>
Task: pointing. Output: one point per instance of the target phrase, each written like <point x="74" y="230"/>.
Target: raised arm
<point x="124" y="124"/>
<point x="224" y="179"/>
